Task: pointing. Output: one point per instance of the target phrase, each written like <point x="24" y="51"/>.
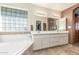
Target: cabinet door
<point x="53" y="41"/>
<point x="37" y="44"/>
<point x="63" y="40"/>
<point x="58" y="40"/>
<point x="45" y="42"/>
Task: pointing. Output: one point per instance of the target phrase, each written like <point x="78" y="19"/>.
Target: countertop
<point x="48" y="32"/>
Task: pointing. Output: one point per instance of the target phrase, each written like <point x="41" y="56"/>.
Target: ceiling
<point x="56" y="6"/>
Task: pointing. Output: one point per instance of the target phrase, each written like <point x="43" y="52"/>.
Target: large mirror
<point x="52" y="24"/>
<point x="49" y="24"/>
<point x="38" y="25"/>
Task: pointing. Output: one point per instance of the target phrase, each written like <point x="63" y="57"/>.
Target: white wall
<point x="32" y="17"/>
<point x="34" y="11"/>
<point x="62" y="24"/>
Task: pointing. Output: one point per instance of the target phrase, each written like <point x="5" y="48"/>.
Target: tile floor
<point x="60" y="50"/>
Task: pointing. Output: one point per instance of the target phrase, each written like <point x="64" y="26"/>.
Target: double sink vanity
<point x="46" y="39"/>
<point x="53" y="34"/>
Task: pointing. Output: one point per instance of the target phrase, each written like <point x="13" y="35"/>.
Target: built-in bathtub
<point x="14" y="44"/>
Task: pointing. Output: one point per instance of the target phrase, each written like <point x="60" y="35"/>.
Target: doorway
<point x="76" y="25"/>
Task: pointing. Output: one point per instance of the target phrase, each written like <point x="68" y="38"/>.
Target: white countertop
<point x="48" y="32"/>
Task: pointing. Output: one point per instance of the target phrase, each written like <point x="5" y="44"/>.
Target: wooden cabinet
<point x="76" y="29"/>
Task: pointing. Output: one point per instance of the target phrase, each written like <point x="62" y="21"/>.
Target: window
<point x="13" y="20"/>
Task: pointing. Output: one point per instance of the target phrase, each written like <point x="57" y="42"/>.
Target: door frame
<point x="73" y="25"/>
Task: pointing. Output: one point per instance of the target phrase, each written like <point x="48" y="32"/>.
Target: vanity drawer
<point x="42" y="36"/>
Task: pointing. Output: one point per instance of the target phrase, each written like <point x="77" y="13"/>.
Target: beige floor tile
<point x="60" y="50"/>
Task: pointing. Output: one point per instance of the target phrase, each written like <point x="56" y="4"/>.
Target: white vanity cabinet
<point x="45" y="40"/>
<point x="37" y="43"/>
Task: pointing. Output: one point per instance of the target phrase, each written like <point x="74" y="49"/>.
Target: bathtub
<point x="14" y="44"/>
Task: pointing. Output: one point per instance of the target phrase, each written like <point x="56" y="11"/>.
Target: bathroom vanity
<point x="46" y="39"/>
